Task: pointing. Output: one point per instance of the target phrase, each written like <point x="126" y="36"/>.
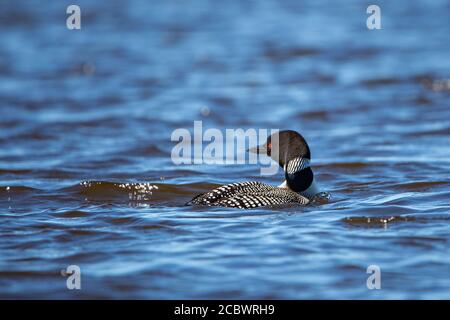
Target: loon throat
<point x="298" y="188"/>
<point x="298" y="173"/>
<point x="309" y="193"/>
<point x="300" y="177"/>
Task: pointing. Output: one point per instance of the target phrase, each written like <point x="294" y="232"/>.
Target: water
<point x="99" y="104"/>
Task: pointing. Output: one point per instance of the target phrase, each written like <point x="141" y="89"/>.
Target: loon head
<point x="291" y="151"/>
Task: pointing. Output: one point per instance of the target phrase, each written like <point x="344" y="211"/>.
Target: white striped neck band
<point x="296" y="165"/>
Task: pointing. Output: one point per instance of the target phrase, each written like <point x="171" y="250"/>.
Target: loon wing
<point x="228" y="190"/>
<point x="247" y="195"/>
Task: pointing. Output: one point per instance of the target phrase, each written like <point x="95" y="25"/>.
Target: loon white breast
<point x="299" y="186"/>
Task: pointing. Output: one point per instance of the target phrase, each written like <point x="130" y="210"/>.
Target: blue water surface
<point x="100" y="104"/>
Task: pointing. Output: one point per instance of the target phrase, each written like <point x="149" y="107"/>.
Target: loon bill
<point x="291" y="151"/>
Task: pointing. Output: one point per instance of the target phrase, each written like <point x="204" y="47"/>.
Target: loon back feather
<point x="247" y="195"/>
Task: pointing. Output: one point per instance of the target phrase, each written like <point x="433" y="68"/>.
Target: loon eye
<point x="269" y="148"/>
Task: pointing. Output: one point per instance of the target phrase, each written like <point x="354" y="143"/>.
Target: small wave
<point x="426" y="133"/>
<point x="26" y="274"/>
<point x="102" y="189"/>
<point x="419" y="185"/>
<point x="380" y="81"/>
<point x="434" y="84"/>
<point x="375" y="221"/>
<point x="72" y="214"/>
<point x="140" y="192"/>
<point x="346" y="165"/>
<point x="15" y="171"/>
<point x="281" y="54"/>
<point x="17" y="190"/>
<point x="315" y="115"/>
<point x="151" y="150"/>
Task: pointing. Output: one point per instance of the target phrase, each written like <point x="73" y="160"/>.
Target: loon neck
<point x="300" y="177"/>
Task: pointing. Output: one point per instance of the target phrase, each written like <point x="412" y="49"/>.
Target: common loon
<point x="299" y="187"/>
